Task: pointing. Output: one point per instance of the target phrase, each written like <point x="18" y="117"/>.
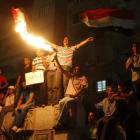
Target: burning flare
<point x="21" y="28"/>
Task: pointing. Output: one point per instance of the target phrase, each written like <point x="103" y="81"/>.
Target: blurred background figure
<point x="3" y="86"/>
<point x="8" y="103"/>
<point x="25" y="102"/>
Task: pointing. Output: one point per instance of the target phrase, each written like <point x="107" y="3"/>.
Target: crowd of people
<point x="66" y="87"/>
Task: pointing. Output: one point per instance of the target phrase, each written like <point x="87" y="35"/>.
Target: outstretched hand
<point x="90" y="39"/>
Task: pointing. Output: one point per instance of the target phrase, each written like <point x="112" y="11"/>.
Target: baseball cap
<point x="11" y="87"/>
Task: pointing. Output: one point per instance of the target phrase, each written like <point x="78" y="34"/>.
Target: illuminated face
<point x="76" y="70"/>
<point x="91" y="117"/>
<point x="66" y="41"/>
<point x="10" y="91"/>
<point x="40" y="53"/>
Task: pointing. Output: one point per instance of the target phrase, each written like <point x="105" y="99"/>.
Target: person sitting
<point x="91" y="127"/>
<point x="74" y="93"/>
<point x="8" y="103"/>
<point x="25" y="102"/>
<point x="108" y="106"/>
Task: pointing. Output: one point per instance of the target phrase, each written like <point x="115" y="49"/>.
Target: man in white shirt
<point x="108" y="105"/>
<point x="75" y="89"/>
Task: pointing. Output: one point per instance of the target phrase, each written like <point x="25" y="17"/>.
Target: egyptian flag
<point x="105" y="17"/>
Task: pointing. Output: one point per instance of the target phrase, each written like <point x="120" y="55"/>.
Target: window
<point x="101" y="86"/>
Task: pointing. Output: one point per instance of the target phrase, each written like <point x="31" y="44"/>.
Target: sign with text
<point x="34" y="77"/>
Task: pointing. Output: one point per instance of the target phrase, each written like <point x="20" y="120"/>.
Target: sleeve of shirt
<point x="74" y="47"/>
<point x="58" y="47"/>
<point x="99" y="105"/>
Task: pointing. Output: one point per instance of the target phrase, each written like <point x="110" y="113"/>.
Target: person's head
<point x="40" y="53"/>
<point x="66" y="41"/>
<point x="76" y="70"/>
<point x="109" y="90"/>
<point x="26" y="61"/>
<point x="10" y="90"/>
<point x="24" y="85"/>
<point x="135" y="48"/>
<point x="120" y="88"/>
<point x="91" y="117"/>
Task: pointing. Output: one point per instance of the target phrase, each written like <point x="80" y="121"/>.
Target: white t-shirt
<point x="9" y="100"/>
<point x="75" y="85"/>
<point x="65" y="55"/>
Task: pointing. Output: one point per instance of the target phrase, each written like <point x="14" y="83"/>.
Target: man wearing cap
<point x="8" y="103"/>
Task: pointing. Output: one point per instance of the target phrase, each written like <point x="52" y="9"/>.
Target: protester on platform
<point x="76" y="88"/>
<point x="65" y="55"/>
<point x="40" y="64"/>
<point x="53" y="80"/>
<point x="25" y="102"/>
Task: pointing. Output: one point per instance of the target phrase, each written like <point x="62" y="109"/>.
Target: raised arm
<point x="84" y="42"/>
<point x="128" y="63"/>
<point x="54" y="46"/>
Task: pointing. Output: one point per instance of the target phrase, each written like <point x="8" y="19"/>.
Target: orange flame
<point x="30" y="38"/>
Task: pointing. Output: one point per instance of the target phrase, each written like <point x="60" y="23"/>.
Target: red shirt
<point x="3" y="79"/>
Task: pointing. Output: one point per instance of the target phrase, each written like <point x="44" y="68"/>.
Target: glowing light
<point x="30" y="38"/>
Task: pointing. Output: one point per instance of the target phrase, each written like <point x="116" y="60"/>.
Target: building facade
<point x="52" y="19"/>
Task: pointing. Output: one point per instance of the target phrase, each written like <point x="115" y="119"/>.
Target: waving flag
<point x="104" y="17"/>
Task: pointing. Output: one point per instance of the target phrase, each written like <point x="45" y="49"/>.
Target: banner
<point x="34" y="77"/>
<point x="105" y="17"/>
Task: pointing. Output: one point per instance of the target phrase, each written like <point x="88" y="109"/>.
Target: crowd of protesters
<point x="66" y="86"/>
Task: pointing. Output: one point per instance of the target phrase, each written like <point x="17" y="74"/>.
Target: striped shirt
<point x="65" y="55"/>
<point x="37" y="63"/>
